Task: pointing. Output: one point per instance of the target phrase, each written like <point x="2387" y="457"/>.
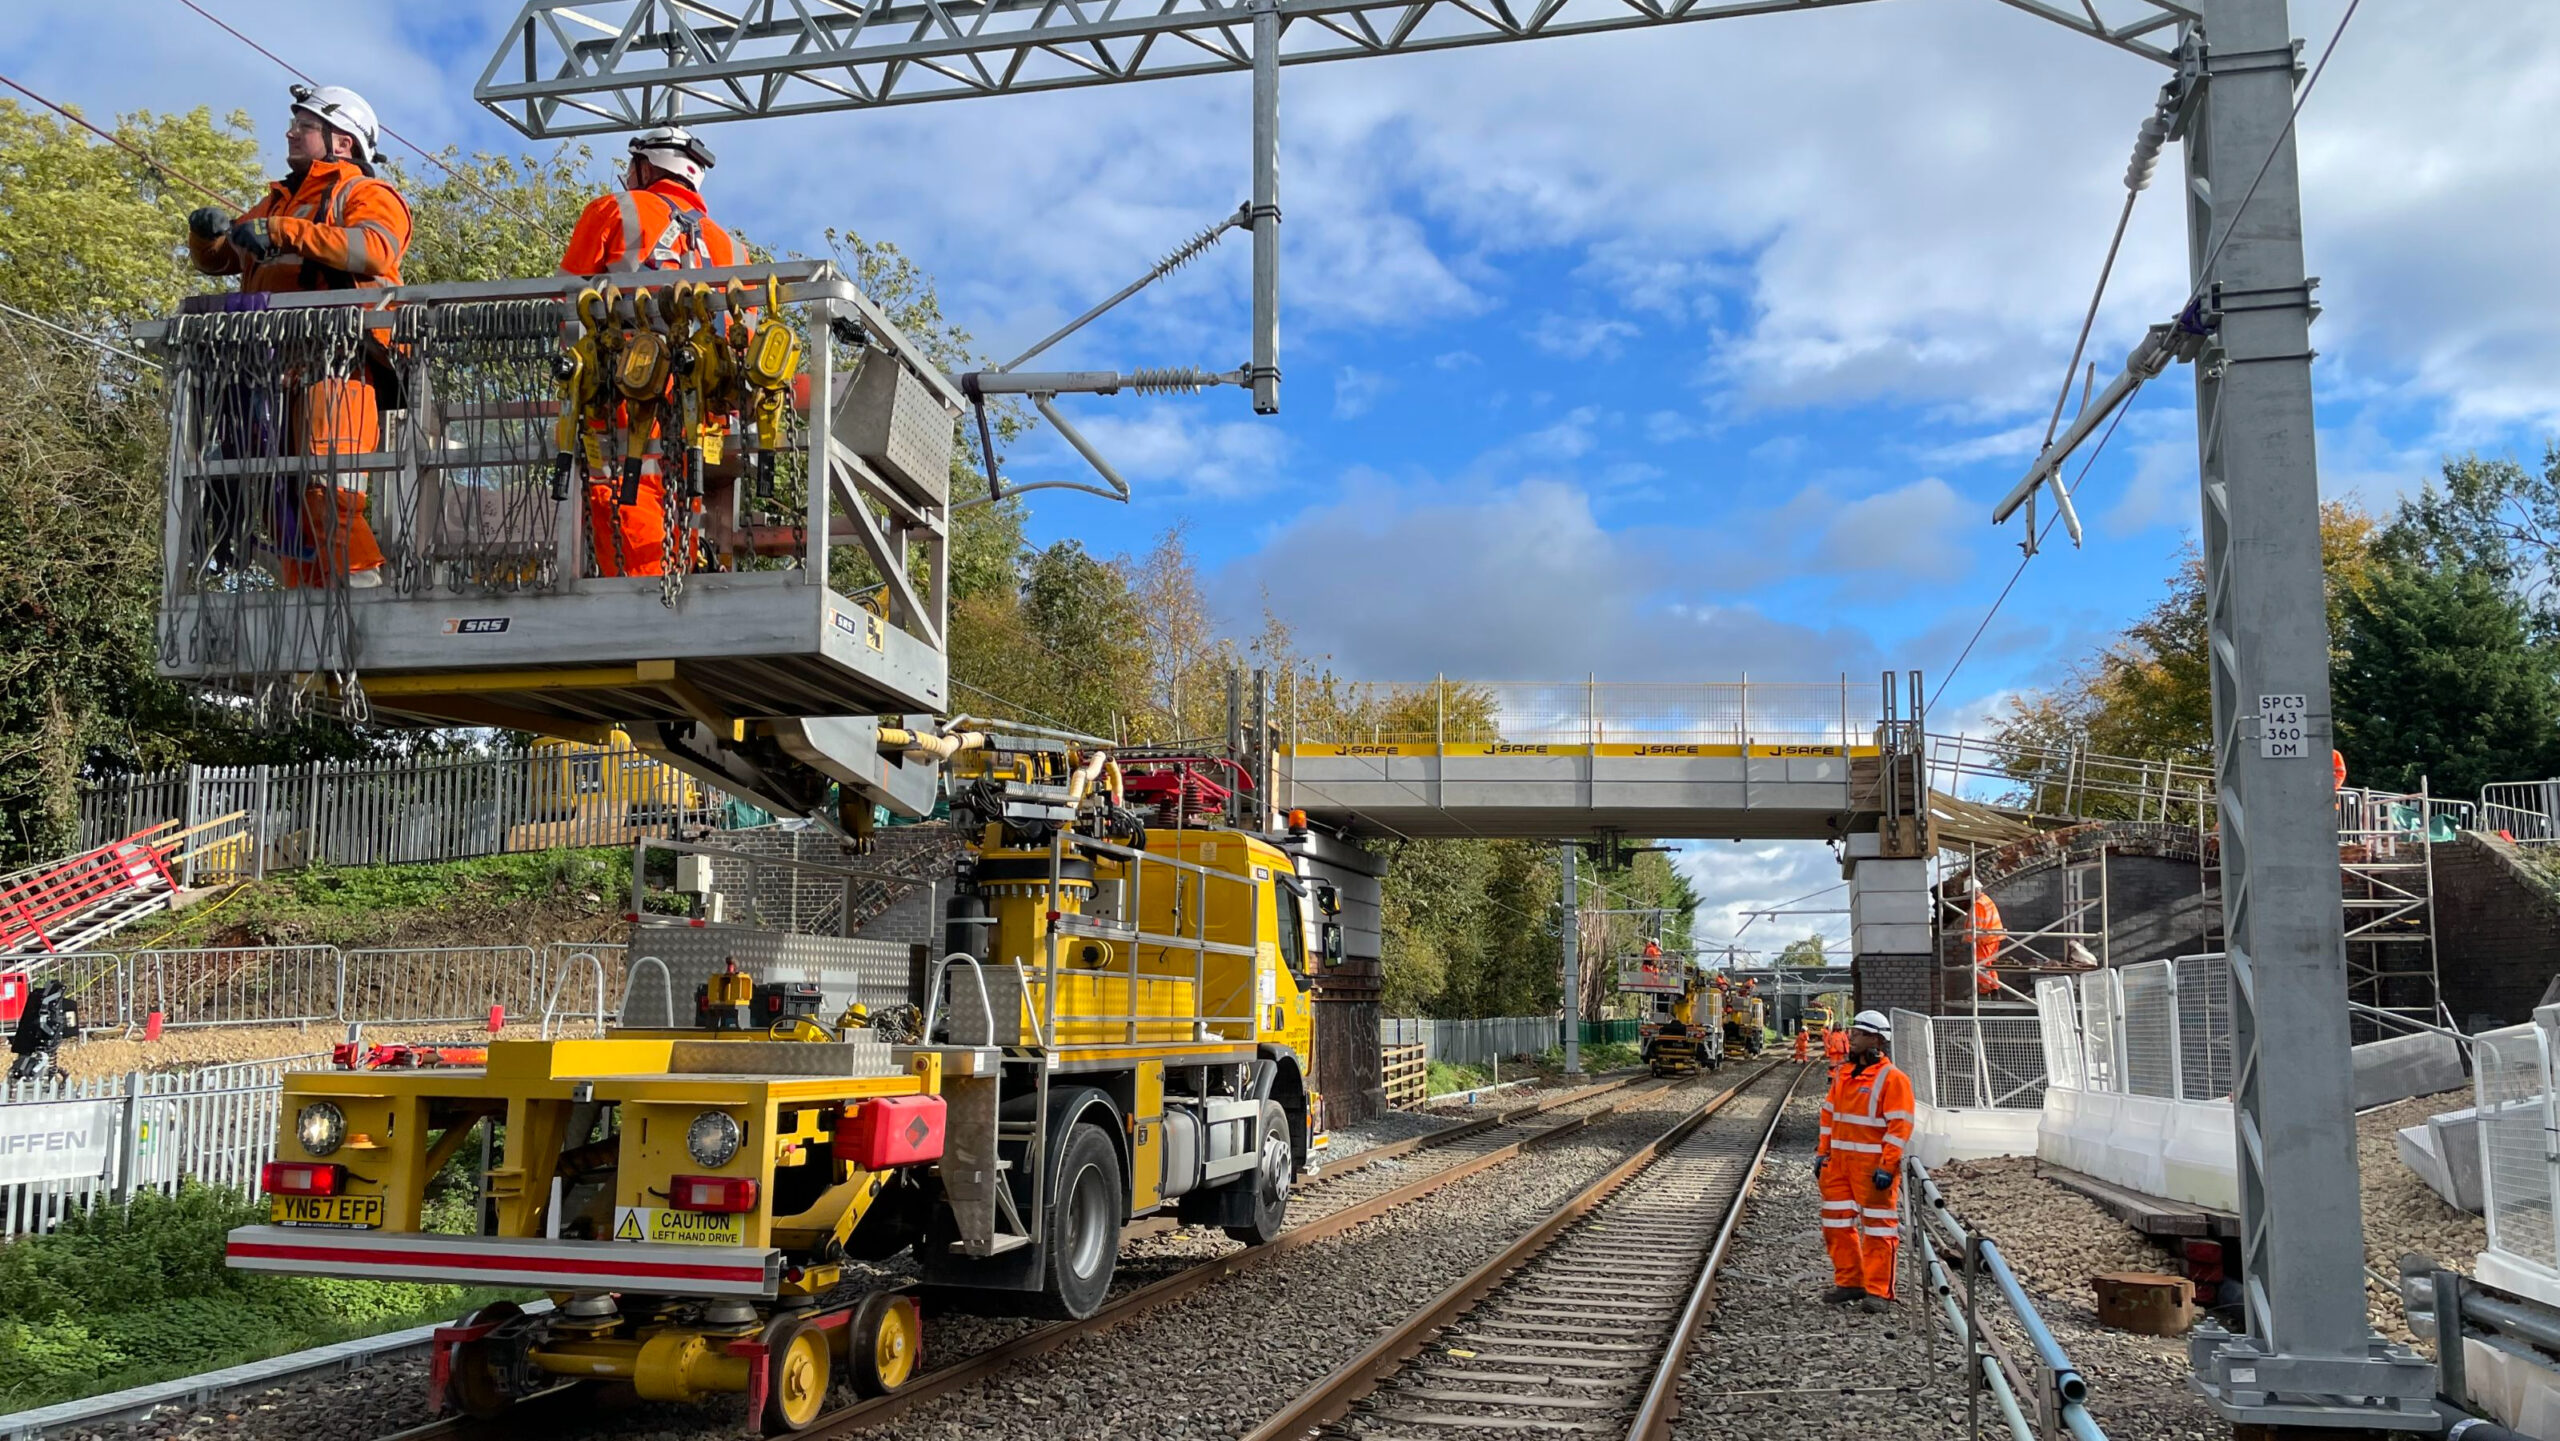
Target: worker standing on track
<point x="329" y="224"/>
<point x="1835" y="1045"/>
<point x="1804" y="1045"/>
<point x="657" y="222"/>
<point x="1866" y="1124"/>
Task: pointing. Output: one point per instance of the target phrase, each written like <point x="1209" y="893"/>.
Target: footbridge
<point x="1739" y="759"/>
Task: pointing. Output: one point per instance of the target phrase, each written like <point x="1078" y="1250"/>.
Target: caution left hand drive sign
<point x="682" y="1228"/>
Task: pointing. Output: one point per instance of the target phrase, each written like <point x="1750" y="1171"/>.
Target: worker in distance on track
<point x="658" y="221"/>
<point x="1857" y="1156"/>
<point x="330" y="224"/>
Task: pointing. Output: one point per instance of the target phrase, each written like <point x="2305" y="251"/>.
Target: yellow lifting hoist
<point x="580" y="368"/>
<point x="768" y="358"/>
<point x="642" y="366"/>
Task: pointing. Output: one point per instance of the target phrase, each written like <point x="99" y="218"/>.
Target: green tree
<point x="92" y="237"/>
<point x="2446" y="681"/>
<point x="2147" y="694"/>
<point x="1806" y="952"/>
<point x="493" y="217"/>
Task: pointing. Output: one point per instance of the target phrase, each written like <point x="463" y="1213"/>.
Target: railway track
<point x="1581" y="1326"/>
<point x="1357" y="1189"/>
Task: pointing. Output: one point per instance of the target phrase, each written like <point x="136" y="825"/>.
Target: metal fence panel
<point x="2204" y="1027"/>
<point x="2098" y="1030"/>
<point x="2511" y="1078"/>
<point x="442" y="983"/>
<point x="2058" y="1015"/>
<point x="1916" y="1049"/>
<point x="239" y="985"/>
<point x="1472" y="1042"/>
<point x="2150" y="1026"/>
<point x="215" y="1126"/>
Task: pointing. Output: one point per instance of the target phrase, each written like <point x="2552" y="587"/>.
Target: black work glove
<point x="208" y="222"/>
<point x="251" y="239"/>
<point x="1817" y="1165"/>
<point x="1883" y="1179"/>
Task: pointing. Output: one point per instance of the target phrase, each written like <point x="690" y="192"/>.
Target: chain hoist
<point x="580" y="369"/>
<point x="640" y="373"/>
<point x="768" y="360"/>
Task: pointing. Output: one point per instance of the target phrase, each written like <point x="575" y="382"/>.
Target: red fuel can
<point x="891" y="1131"/>
<point x="13" y="996"/>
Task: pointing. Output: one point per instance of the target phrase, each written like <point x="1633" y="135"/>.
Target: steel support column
<point x="1264" y="373"/>
<point x="1567" y="855"/>
<point x="2310" y="1357"/>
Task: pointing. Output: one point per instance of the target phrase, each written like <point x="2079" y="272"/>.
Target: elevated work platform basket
<point x="309" y="431"/>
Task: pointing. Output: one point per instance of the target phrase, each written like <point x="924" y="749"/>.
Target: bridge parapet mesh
<point x="1448" y="712"/>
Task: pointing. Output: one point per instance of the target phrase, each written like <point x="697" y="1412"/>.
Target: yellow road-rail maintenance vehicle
<point x="1682" y="1026"/>
<point x="1746" y="1019"/>
<point x="1117" y="1025"/>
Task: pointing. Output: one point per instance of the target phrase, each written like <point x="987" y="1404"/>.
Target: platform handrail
<point x="666" y="987"/>
<point x="595" y="963"/>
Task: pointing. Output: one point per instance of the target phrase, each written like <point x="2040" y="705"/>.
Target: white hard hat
<point x="342" y="109"/>
<point x="675" y="150"/>
<point x="1872" y="1021"/>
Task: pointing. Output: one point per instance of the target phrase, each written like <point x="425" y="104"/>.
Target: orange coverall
<point x="334" y="228"/>
<point x="1987" y="935"/>
<point x="662" y="227"/>
<point x="1804" y="1044"/>
<point x="1866" y="1124"/>
<point x="1835" y="1046"/>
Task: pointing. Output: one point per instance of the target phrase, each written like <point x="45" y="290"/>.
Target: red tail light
<point x="712" y="1193"/>
<point x="302" y="1178"/>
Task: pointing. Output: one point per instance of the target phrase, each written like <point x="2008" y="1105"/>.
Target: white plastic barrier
<point x="2176" y="1150"/>
<point x="1940" y="1135"/>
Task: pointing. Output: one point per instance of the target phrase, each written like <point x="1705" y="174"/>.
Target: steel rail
<point x="984" y="1364"/>
<point x="1333" y="1397"/>
<point x="980" y="1365"/>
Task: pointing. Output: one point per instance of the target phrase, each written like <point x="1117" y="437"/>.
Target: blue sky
<point x="1665" y="355"/>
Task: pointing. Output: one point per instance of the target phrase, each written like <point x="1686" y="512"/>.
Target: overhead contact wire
<point x="118" y="141"/>
<point x="422" y="152"/>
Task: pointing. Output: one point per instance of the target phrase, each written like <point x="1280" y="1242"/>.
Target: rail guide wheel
<point x="474" y="1385"/>
<point x="884" y="1343"/>
<point x="798" y="1371"/>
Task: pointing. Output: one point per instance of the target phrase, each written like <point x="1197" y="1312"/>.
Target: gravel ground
<point x="2056" y="1240"/>
<point x="390" y="1395"/>
<point x="1775" y="1363"/>
<point x="1383" y="1129"/>
<point x="215" y="1045"/>
<point x="2401" y="1214"/>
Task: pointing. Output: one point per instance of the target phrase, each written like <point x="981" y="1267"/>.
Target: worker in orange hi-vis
<point x="1804" y="1045"/>
<point x="2337" y="770"/>
<point x="1835" y="1045"/>
<point x="657" y="222"/>
<point x="1987" y="936"/>
<point x="1866" y="1126"/>
<point x="330" y="224"/>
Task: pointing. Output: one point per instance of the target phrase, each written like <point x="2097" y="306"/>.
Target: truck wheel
<point x="1269" y="1180"/>
<point x="796" y="1372"/>
<point x="883" y="1343"/>
<point x="1083" y="1225"/>
<point x="474" y="1387"/>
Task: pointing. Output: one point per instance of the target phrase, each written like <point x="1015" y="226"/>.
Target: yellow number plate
<point x="346" y="1213"/>
<point x="680" y="1228"/>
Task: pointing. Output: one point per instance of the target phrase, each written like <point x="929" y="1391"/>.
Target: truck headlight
<point x="712" y="1138"/>
<point x="321" y="1128"/>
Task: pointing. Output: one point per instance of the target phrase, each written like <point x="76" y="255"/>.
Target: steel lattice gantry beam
<point x="583" y="67"/>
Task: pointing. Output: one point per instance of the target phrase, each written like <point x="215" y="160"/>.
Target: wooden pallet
<point x="1407" y="1074"/>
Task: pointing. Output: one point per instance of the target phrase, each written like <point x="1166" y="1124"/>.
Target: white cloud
<point x="1456" y="359"/>
<point x="1910" y="531"/>
<point x="1356" y="391"/>
<point x="1518" y="580"/>
<point x="1732" y="879"/>
<point x="1168" y="446"/>
<point x="1581" y="337"/>
<point x="1668" y="427"/>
